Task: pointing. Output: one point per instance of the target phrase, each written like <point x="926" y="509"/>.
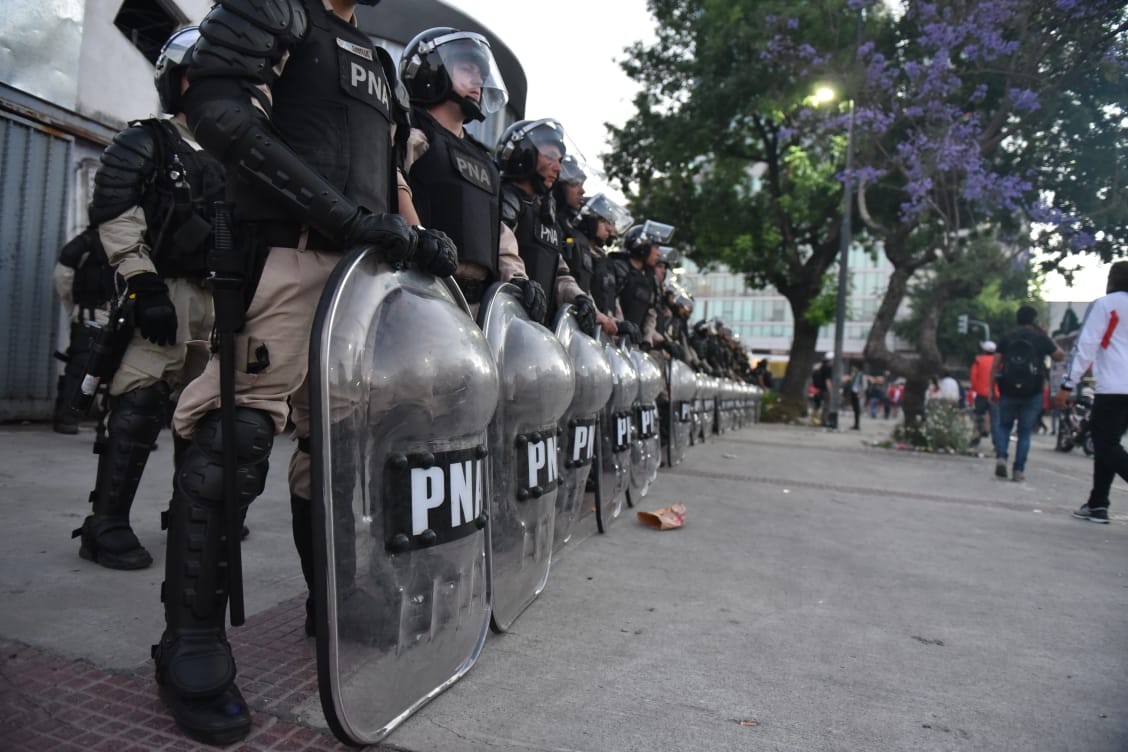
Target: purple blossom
<point x="1024" y="100"/>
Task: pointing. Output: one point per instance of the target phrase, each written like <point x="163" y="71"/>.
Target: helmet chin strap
<point x="470" y="109"/>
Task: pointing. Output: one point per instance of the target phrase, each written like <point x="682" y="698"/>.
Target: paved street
<point x="823" y="595"/>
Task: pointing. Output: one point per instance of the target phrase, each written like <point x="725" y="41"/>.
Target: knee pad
<point x="200" y="475"/>
<point x="139" y="414"/>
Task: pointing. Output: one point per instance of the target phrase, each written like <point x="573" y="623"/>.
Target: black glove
<point x="435" y="253"/>
<point x="388" y="232"/>
<point x="533" y="298"/>
<point x="629" y="331"/>
<point x="153" y="313"/>
<point x="584" y="310"/>
<point x="676" y="351"/>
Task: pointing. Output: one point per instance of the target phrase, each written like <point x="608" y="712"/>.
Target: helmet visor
<point x="607" y="210"/>
<point x="547" y="137"/>
<point x="176" y="49"/>
<point x="473" y="72"/>
<point x="656" y="232"/>
<point x="668" y="255"/>
<point x="571" y="171"/>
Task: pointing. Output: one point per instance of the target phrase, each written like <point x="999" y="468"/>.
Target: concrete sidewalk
<point x="823" y="595"/>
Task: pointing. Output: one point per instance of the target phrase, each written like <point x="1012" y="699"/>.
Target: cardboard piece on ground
<point x="666" y="518"/>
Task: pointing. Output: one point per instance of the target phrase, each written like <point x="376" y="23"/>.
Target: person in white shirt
<point x="1103" y="344"/>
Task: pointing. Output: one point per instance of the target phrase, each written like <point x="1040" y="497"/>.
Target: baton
<point x="228" y="300"/>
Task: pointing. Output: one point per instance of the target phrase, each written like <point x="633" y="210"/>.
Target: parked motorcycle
<point x="1073" y="426"/>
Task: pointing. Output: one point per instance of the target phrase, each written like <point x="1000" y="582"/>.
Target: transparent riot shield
<point x="615" y="439"/>
<point x="537" y="384"/>
<point x="579" y="428"/>
<point x="683" y="390"/>
<point x="645" y="450"/>
<point x="402" y="389"/>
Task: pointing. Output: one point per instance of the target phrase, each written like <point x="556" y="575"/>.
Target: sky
<point x="569" y="52"/>
<point x="580" y="84"/>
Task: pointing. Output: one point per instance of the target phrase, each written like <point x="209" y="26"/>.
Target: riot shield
<point x="683" y="390"/>
<point x="537" y="384"/>
<point x="579" y="427"/>
<point x="615" y="437"/>
<point x="646" y="453"/>
<point x="402" y="388"/>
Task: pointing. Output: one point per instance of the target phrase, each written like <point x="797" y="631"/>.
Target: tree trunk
<point x="801" y="362"/>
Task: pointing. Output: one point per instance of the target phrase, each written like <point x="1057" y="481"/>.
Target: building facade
<point x="763" y="320"/>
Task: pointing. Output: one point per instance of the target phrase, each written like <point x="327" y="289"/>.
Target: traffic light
<point x="961" y="326"/>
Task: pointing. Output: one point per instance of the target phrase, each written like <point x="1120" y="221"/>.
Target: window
<point x="148" y="24"/>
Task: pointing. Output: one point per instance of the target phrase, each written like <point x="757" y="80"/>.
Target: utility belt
<point x="295" y="236"/>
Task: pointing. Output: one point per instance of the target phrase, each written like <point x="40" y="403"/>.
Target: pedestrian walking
<point x="1103" y="344"/>
<point x="1019" y="372"/>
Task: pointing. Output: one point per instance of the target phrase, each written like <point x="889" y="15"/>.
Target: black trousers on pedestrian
<point x="1108" y="420"/>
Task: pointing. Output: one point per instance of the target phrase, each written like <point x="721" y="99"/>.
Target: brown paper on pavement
<point x="666" y="518"/>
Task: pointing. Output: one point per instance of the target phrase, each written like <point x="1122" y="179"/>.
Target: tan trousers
<point x="145" y="363"/>
<point x="277" y="332"/>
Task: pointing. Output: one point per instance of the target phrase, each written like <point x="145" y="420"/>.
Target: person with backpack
<point x="1019" y="371"/>
<point x="1103" y="344"/>
<point x="152" y="203"/>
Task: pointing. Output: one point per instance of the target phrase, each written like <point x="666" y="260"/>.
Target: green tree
<point x="726" y="144"/>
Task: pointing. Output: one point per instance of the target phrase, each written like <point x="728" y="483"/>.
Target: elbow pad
<point x="242" y="139"/>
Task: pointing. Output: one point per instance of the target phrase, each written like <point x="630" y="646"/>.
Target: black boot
<point x="301" y="522"/>
<point x="135" y="420"/>
<point x="78" y="353"/>
<point x="195" y="669"/>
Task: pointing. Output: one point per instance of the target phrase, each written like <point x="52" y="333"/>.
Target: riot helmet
<point x="668" y="255"/>
<point x="439" y="61"/>
<point x="522" y="143"/>
<point x="599" y="207"/>
<point x="174" y="58"/>
<point x="641" y="238"/>
<point x="569" y="187"/>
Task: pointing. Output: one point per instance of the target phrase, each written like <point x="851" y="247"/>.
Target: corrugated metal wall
<point x="34" y="184"/>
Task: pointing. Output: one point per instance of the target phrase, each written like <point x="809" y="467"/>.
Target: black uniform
<point x="637" y="289"/>
<point x="455" y="188"/>
<point x="538" y="238"/>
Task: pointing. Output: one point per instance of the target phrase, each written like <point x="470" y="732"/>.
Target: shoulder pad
<point x="510" y="207"/>
<point x="247" y="38"/>
<point x="128" y="163"/>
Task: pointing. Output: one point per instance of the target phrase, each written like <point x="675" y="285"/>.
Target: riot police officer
<point x="635" y="282"/>
<point x="151" y="199"/>
<point x="452" y="79"/>
<point x="601" y="220"/>
<point x="301" y="107"/>
<point x="568" y="191"/>
<point x="529" y="156"/>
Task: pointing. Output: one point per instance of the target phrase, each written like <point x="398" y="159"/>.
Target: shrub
<point x="944" y="427"/>
<point x="775" y="409"/>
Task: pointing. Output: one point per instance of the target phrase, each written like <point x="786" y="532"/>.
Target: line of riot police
<point x="464" y="363"/>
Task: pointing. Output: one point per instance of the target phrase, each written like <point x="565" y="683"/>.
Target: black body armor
<point x="577" y="254"/>
<point x="455" y="186"/>
<point x="538" y="241"/>
<point x="333" y="92"/>
<point x="638" y="292"/>
<point x="151" y="166"/>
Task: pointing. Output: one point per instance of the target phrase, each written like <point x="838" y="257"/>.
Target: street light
<point x="843" y="275"/>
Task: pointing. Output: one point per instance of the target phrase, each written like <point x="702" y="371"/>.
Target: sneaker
<point x="1092" y="514"/>
<point x="1018" y="476"/>
<point x="1000" y="468"/>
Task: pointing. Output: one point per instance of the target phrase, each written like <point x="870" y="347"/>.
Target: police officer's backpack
<point x="94" y="283"/>
<point x="1022" y="369"/>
